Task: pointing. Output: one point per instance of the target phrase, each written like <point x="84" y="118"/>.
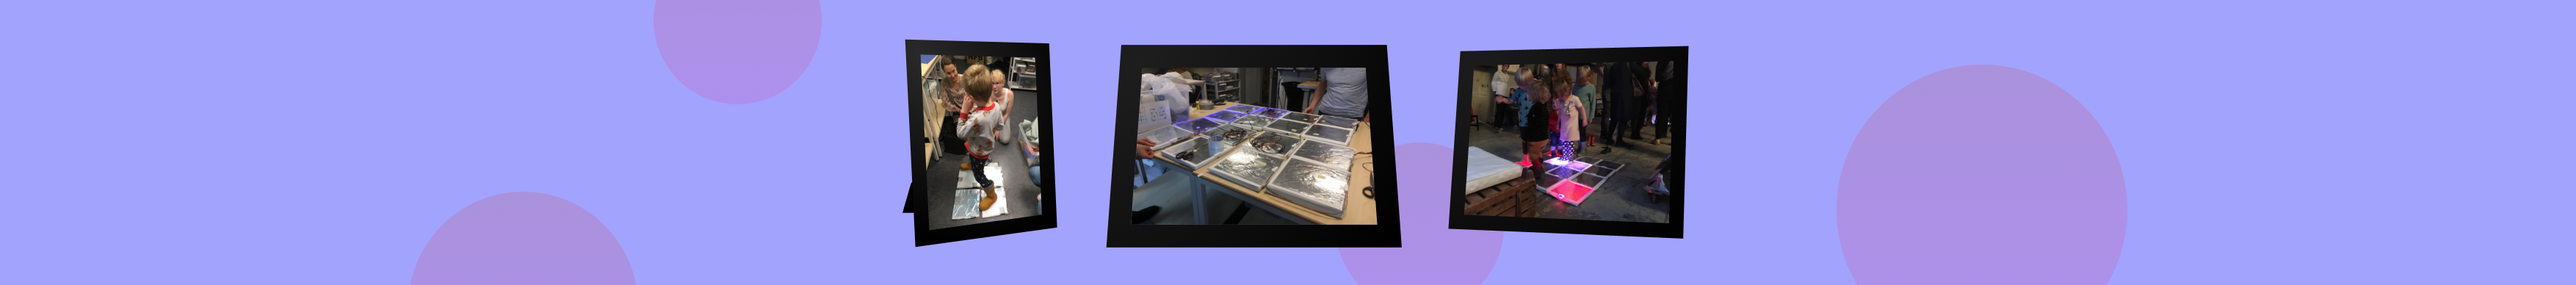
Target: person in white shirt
<point x="1343" y="94"/>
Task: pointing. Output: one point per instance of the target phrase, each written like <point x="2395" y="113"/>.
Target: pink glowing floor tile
<point x="1570" y="192"/>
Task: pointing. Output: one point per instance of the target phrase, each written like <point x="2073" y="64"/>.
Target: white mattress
<point x="1484" y="170"/>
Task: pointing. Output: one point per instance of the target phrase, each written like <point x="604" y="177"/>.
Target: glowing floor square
<point x="1570" y="192"/>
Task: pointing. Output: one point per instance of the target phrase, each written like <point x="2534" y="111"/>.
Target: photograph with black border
<point x="1252" y="146"/>
<point x="1572" y="141"/>
<point x="980" y="112"/>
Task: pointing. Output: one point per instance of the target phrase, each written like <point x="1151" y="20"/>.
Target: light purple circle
<point x="1432" y="253"/>
<point x="737" y="52"/>
<point x="1981" y="174"/>
<point x="522" y="238"/>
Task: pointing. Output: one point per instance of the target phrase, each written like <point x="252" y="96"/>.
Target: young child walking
<point x="980" y="122"/>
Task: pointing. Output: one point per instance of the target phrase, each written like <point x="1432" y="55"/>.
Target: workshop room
<point x="1253" y="145"/>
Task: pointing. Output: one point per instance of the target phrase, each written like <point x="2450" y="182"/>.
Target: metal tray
<point x="1243" y="108"/>
<point x="1193" y="153"/>
<point x="1248" y="169"/>
<point x="1227" y="116"/>
<point x="1165" y="135"/>
<point x="1346" y="123"/>
<point x="1215" y="146"/>
<point x="1274" y="143"/>
<point x="1327" y="154"/>
<point x="1219" y="134"/>
<point x="1287" y="126"/>
<point x="1253" y="122"/>
<point x="1329" y="133"/>
<point x="1271" y="113"/>
<point x="1198" y="125"/>
<point x="1317" y="187"/>
<point x="1301" y="117"/>
<point x="964" y="206"/>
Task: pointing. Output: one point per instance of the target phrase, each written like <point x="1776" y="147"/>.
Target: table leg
<point x="1198" y="203"/>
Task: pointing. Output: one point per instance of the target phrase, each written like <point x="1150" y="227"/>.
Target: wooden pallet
<point x="1510" y="199"/>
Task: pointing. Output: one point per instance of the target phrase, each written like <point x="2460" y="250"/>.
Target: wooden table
<point x="1196" y="113"/>
<point x="1356" y="208"/>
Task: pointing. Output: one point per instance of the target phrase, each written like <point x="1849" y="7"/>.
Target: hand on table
<point x="1145" y="148"/>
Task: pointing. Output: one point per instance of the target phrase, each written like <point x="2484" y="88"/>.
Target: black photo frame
<point x="923" y="235"/>
<point x="1386" y="233"/>
<point x="1467" y="63"/>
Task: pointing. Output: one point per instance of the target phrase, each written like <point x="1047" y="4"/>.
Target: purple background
<point x="321" y="142"/>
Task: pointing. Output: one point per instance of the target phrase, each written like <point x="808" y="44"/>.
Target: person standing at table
<point x="1344" y="94"/>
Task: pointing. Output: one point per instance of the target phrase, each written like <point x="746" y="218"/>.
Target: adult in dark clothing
<point x="1640" y="75"/>
<point x="1618" y="99"/>
<point x="1668" y="100"/>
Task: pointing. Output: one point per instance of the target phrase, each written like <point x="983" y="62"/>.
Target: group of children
<point x="1552" y="105"/>
<point x="979" y="112"/>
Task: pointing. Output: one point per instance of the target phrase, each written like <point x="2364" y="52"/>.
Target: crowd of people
<point x="1566" y="109"/>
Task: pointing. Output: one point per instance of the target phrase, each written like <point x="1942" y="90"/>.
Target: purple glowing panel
<point x="1270" y="113"/>
<point x="1226" y="116"/>
<point x="1981" y="174"/>
<point x="1198" y="126"/>
<point x="1562" y="173"/>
